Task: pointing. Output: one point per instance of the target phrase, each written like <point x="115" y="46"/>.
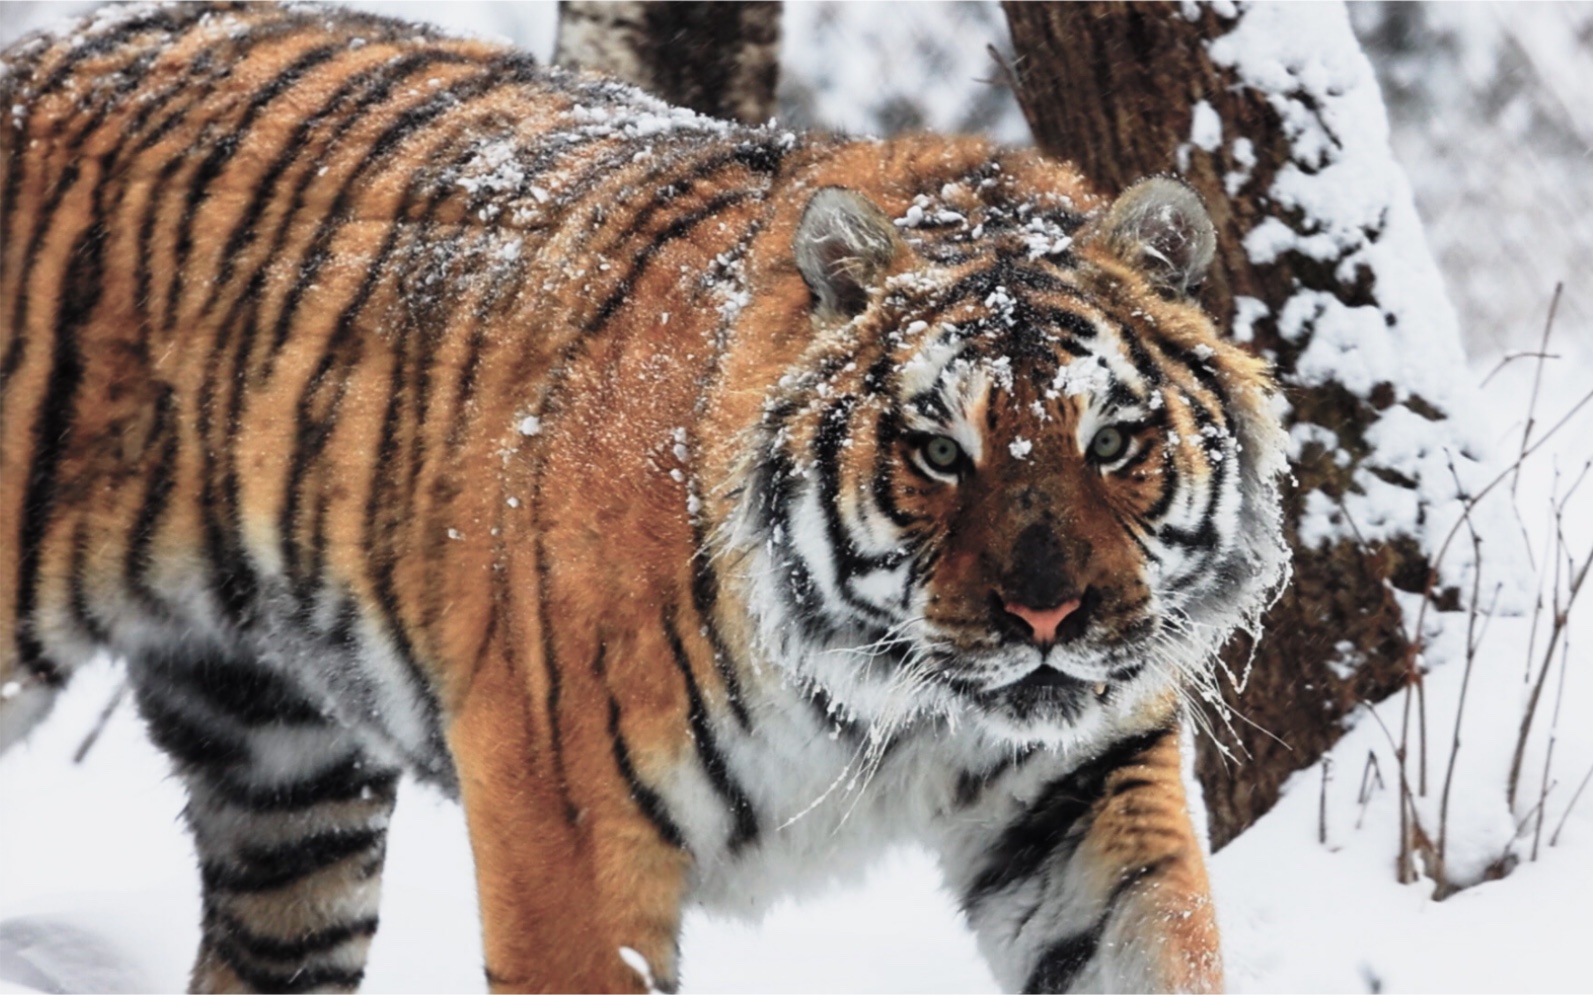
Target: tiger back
<point x="703" y="505"/>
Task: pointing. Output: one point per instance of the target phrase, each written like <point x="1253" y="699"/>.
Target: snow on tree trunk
<point x="1272" y="112"/>
<point x="719" y="59"/>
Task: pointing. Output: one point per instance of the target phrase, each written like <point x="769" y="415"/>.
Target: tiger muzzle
<point x="1039" y="598"/>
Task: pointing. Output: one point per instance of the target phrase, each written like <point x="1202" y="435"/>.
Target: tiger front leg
<point x="1098" y="882"/>
<point x="578" y="891"/>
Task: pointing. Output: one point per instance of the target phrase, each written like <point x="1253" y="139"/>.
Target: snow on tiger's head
<point x="1017" y="478"/>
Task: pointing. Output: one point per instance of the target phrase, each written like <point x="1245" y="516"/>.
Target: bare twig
<point x="1409" y="821"/>
<point x="100" y="723"/>
<point x="1321" y="808"/>
<point x="1555" y="839"/>
<point x="1472" y="641"/>
<point x="1006" y="72"/>
<point x="1537" y="381"/>
<point x="1548" y="754"/>
<point x="1371" y="780"/>
<point x="1512" y="357"/>
<point x="1413" y="650"/>
<point x="1521" y="823"/>
<point x="1557" y="631"/>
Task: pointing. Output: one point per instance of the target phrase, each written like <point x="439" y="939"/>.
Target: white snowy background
<point x="1490" y="118"/>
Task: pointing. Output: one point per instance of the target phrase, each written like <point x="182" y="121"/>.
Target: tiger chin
<point x="705" y="506"/>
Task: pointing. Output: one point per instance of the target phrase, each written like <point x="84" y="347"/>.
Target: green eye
<point x="1108" y="444"/>
<point x="942" y="452"/>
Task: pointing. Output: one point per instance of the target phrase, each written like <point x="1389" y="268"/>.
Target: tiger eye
<point x="942" y="452"/>
<point x="1108" y="444"/>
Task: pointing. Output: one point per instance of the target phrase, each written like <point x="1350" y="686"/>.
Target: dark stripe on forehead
<point x="1004" y="273"/>
<point x="931" y="404"/>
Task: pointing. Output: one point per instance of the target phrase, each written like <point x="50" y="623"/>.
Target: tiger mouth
<point x="1046" y="676"/>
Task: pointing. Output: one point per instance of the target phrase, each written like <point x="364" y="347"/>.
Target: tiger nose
<point x="1043" y="622"/>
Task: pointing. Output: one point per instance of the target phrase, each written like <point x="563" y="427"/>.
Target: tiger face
<point x="1024" y="485"/>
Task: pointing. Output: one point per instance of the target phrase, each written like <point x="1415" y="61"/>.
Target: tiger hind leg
<point x="289" y="814"/>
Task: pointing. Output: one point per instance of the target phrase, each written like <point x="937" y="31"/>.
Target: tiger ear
<point x="843" y="246"/>
<point x="1160" y="227"/>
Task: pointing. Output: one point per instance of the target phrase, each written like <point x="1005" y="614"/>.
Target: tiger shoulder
<point x="704" y="506"/>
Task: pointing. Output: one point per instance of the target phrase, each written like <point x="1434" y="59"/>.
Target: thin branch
<point x="1321" y="808"/>
<point x="1465" y="678"/>
<point x="1554" y="840"/>
<point x="1537" y="378"/>
<point x="1512" y="357"/>
<point x="1548" y="754"/>
<point x="100" y="723"/>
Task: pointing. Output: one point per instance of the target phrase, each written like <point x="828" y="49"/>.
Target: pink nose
<point x="1044" y="623"/>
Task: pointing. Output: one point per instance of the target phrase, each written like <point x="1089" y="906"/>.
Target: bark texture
<point x="1112" y="87"/>
<point x="719" y="59"/>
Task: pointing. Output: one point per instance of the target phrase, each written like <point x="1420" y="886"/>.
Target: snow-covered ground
<point x="98" y="889"/>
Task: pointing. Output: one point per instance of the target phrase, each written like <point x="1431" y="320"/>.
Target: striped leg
<point x="289" y="815"/>
<point x="1097" y="883"/>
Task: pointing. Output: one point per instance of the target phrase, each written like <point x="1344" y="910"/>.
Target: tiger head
<point x="1018" y="478"/>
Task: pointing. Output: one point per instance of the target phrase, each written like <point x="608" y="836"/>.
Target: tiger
<point x="704" y="506"/>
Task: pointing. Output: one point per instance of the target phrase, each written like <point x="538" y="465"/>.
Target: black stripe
<point x="245" y="691"/>
<point x="296" y="150"/>
<point x="348" y="781"/>
<point x="80" y="295"/>
<point x="643" y="257"/>
<point x="173" y="20"/>
<point x="192" y="742"/>
<point x="159" y="478"/>
<point x="124" y="82"/>
<point x="646" y="799"/>
<point x="233" y="578"/>
<point x="1052" y="824"/>
<point x="313" y="944"/>
<point x="971" y="785"/>
<point x="256" y="869"/>
<point x="829" y="444"/>
<point x="344" y="349"/>
<point x="705" y="597"/>
<point x="82" y="612"/>
<point x="222" y="150"/>
<point x="1059" y="966"/>
<point x="390" y="504"/>
<point x="887" y="430"/>
<point x="409" y="121"/>
<point x="1170" y="477"/>
<point x="745" y="829"/>
<point x="776" y="483"/>
<point x="305" y="979"/>
<point x="550" y="667"/>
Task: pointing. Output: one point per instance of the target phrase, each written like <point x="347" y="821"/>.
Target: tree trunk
<point x="719" y="59"/>
<point x="1128" y="90"/>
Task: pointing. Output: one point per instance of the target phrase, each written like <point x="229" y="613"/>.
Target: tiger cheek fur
<point x="705" y="506"/>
